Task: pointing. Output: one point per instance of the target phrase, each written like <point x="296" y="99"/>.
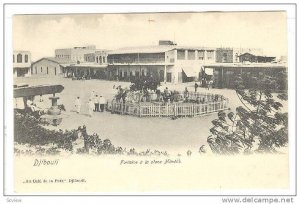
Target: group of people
<point x="96" y="103"/>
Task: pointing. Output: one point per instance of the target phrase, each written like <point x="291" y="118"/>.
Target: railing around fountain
<point x="170" y="109"/>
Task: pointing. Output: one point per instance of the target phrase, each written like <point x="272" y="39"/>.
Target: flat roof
<point x="194" y="48"/>
<point x="155" y="49"/>
<point x="145" y="49"/>
<point x="21" y="51"/>
<point x="247" y="65"/>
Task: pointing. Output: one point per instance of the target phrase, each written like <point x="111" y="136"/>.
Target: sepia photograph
<point x="185" y="102"/>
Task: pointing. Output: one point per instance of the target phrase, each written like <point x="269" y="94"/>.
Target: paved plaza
<point x="176" y="136"/>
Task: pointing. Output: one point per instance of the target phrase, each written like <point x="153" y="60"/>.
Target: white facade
<point x="168" y="63"/>
<point x="46" y="67"/>
<point x="21" y="63"/>
<point x="101" y="57"/>
<point x="193" y="61"/>
<point x="75" y="53"/>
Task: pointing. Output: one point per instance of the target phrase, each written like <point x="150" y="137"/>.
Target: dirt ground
<point x="174" y="136"/>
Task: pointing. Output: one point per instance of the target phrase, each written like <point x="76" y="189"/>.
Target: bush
<point x="144" y="83"/>
<point x="28" y="130"/>
<point x="35" y="139"/>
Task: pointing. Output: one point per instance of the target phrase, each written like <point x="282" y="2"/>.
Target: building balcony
<point x="140" y="63"/>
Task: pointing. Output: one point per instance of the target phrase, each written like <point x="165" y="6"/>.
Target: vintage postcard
<point x="160" y="103"/>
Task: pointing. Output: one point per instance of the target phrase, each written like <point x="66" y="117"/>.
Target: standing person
<point x="186" y="94"/>
<point x="203" y="83"/>
<point x="77" y="104"/>
<point x="90" y="107"/>
<point x="102" y="102"/>
<point x="96" y="103"/>
<point x="167" y="94"/>
<point x="210" y="83"/>
<point x="196" y="87"/>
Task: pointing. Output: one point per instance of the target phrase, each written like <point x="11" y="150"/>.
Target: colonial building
<point x="73" y="62"/>
<point x="166" y="63"/>
<point x="74" y="54"/>
<point x="232" y="55"/>
<point x="21" y="63"/>
<point x="97" y="57"/>
<point x="101" y="57"/>
<point x="93" y="66"/>
<point x="248" y="57"/>
<point x="49" y="67"/>
<point x="223" y="74"/>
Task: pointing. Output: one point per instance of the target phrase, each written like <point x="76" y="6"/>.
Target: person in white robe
<point x="91" y="107"/>
<point x="77" y="104"/>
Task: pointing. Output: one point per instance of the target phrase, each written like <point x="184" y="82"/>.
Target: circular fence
<point x="195" y="104"/>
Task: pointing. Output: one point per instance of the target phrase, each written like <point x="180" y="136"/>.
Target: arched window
<point x="26" y="58"/>
<point x="19" y="58"/>
<point x="97" y="60"/>
<point x="103" y="60"/>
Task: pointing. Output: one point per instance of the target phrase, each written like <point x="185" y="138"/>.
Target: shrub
<point x="36" y="139"/>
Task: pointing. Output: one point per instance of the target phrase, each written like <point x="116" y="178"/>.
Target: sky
<point x="42" y="34"/>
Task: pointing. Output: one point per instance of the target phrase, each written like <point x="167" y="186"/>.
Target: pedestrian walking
<point x="77" y="104"/>
<point x="96" y="103"/>
<point x="90" y="107"/>
<point x="102" y="103"/>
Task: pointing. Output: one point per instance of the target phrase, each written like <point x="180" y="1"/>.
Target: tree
<point x="257" y="125"/>
<point x="144" y="83"/>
